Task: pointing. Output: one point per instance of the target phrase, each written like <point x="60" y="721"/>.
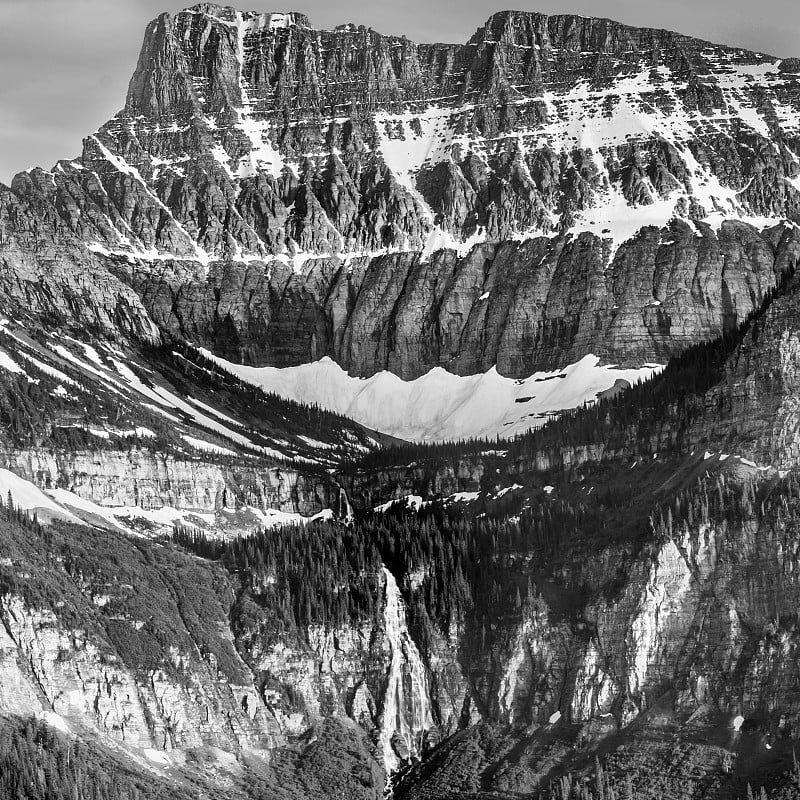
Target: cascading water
<point x="407" y="704"/>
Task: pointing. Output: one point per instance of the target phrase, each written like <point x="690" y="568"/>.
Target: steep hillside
<point x="140" y="436"/>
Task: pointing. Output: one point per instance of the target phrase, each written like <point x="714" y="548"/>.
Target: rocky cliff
<point x="555" y="186"/>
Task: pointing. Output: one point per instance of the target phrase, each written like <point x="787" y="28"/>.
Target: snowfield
<point x="439" y="405"/>
<point x="31" y="498"/>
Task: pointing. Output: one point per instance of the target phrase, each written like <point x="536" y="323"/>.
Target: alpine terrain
<point x="415" y="421"/>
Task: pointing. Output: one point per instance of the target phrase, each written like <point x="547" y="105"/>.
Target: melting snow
<point x="202" y="444"/>
<point x="440" y="405"/>
<point x="29" y="497"/>
<point x="48" y="370"/>
<point x="121" y="165"/>
<point x="579" y="119"/>
<point x="55" y="721"/>
<point x="272" y="517"/>
<point x="7" y="363"/>
<point x="413" y="501"/>
<point x="506" y="490"/>
<point x="122" y="378"/>
<point x="262" y="156"/>
<point x="463" y="497"/>
<point x="164" y="518"/>
<point x="157" y="756"/>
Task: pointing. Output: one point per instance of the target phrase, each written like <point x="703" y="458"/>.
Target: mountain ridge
<point x="394" y="192"/>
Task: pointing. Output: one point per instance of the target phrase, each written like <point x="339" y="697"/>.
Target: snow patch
<point x="157" y="757"/>
<point x="7" y="363"/>
<point x="55" y="721"/>
<point x="262" y="156"/>
<point x="412" y="501"/>
<point x="506" y="490"/>
<point x="29" y="497"/>
<point x="439" y="405"/>
<point x="202" y="444"/>
<point x="464" y="497"/>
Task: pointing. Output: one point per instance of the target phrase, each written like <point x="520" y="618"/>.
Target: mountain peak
<point x="574" y="32"/>
<point x="264" y="19"/>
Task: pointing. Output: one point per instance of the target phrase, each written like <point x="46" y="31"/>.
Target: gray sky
<point x="65" y="64"/>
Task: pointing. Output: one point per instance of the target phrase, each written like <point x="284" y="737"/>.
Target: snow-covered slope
<point x="28" y="497"/>
<point x="439" y="405"/>
<point x="146" y="439"/>
<point x="90" y="382"/>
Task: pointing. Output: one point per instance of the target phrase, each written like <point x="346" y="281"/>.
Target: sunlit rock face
<point x="555" y="186"/>
<point x="137" y="478"/>
<point x="79" y="684"/>
<point x="236" y="690"/>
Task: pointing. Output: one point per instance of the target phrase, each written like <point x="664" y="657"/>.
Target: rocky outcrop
<point x="147" y="480"/>
<point x="65" y="673"/>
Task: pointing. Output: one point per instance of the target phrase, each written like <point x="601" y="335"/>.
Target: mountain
<point x="558" y="187"/>
<point x="326" y="463"/>
<point x="555" y="187"/>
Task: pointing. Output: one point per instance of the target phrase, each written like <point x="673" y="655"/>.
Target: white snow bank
<point x="202" y="444"/>
<point x="505" y="490"/>
<point x="79" y="504"/>
<point x="8" y="363"/>
<point x="273" y="518"/>
<point x="129" y="518"/>
<point x="157" y="756"/>
<point x="55" y="721"/>
<point x="29" y="497"/>
<point x="440" y="405"/>
<point x="413" y="501"/>
<point x="463" y="497"/>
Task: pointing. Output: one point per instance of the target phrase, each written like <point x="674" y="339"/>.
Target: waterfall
<point x="407" y="705"/>
<point x="345" y="509"/>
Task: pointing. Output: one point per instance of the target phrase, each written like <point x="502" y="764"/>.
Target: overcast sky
<point x="65" y="64"/>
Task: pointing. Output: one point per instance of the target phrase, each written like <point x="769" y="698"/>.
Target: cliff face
<point x="696" y="641"/>
<point x="140" y="647"/>
<point x="687" y="616"/>
<point x="136" y="478"/>
<point x="556" y="186"/>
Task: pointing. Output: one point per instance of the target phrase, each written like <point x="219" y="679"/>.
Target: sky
<point x="65" y="64"/>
